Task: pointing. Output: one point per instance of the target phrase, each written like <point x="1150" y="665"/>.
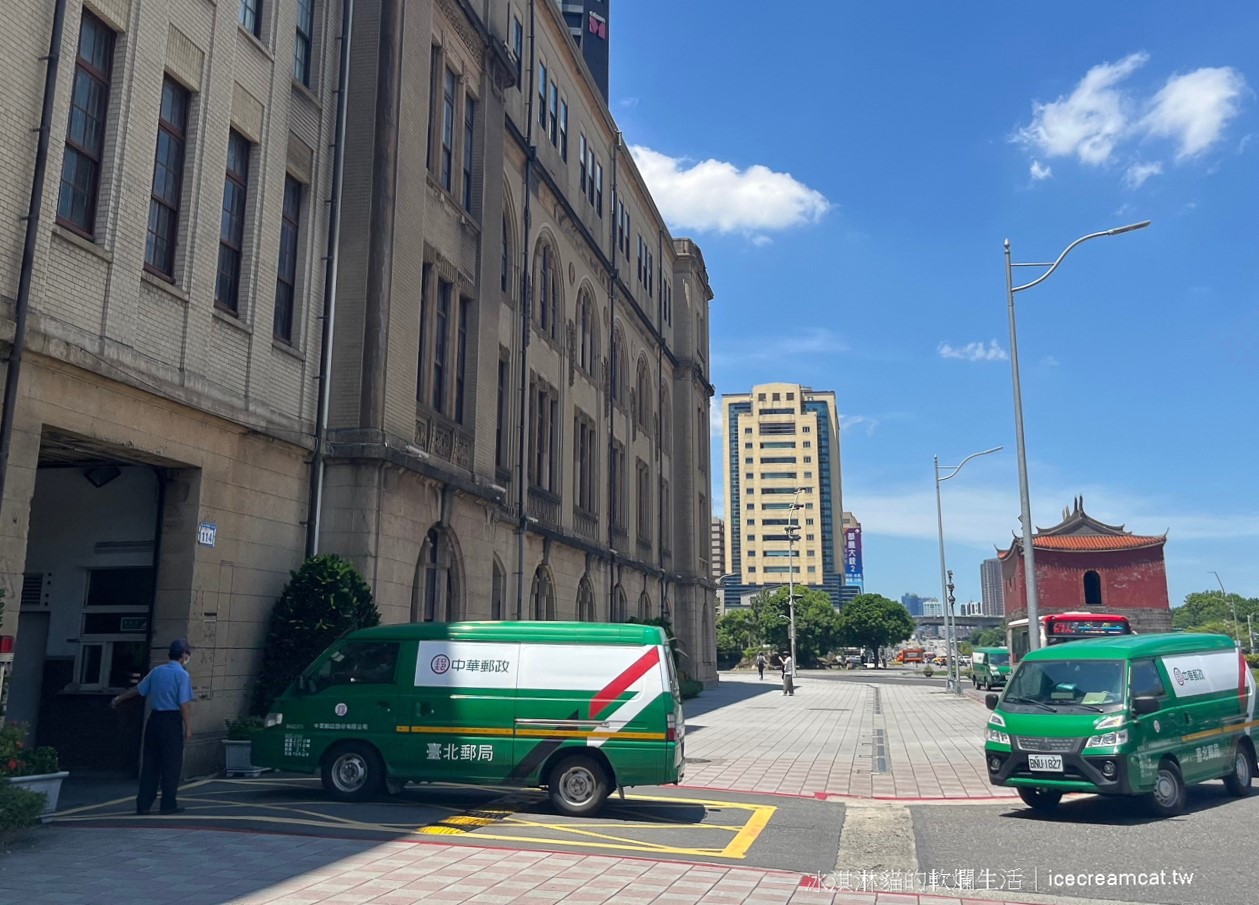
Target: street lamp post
<point x="792" y="528"/>
<point x="953" y="685"/>
<point x="1236" y="627"/>
<point x="1025" y="515"/>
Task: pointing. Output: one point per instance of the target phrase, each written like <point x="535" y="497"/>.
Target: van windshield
<point x="999" y="659"/>
<point x="1086" y="684"/>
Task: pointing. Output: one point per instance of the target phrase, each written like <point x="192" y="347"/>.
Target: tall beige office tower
<point x="782" y="466"/>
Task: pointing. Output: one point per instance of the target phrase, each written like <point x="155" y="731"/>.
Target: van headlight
<point x="996" y="735"/>
<point x="1108" y="739"/>
<point x="273" y="719"/>
<point x="996" y="720"/>
<point x="1114" y="721"/>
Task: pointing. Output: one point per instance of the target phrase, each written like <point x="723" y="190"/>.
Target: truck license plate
<point x="1049" y="763"/>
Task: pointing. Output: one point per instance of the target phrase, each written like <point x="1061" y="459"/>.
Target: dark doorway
<point x="1092" y="589"/>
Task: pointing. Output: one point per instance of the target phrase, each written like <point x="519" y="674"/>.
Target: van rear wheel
<point x="1168" y="797"/>
<point x="577" y="786"/>
<point x="1238" y="780"/>
<point x="352" y="772"/>
<point x="1040" y="799"/>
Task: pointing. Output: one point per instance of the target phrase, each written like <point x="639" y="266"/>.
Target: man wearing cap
<point x="169" y="690"/>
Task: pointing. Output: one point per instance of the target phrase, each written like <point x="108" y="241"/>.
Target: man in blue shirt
<point x="169" y="690"/>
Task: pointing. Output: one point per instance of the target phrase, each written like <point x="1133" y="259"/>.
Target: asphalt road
<point x="779" y="832"/>
<point x="1213" y="841"/>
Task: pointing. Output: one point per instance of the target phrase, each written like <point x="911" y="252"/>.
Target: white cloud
<point x="1194" y="108"/>
<point x="714" y="195"/>
<point x="1139" y="172"/>
<point x="851" y="422"/>
<point x="782" y="348"/>
<point x="760" y="241"/>
<point x="1091" y="121"/>
<point x="629" y="102"/>
<point x="975" y="351"/>
<point x="714" y="420"/>
<point x="1040" y="171"/>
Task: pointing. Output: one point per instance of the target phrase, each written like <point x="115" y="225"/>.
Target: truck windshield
<point x="1089" y="684"/>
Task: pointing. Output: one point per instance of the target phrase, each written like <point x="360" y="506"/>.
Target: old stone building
<point x="517" y="391"/>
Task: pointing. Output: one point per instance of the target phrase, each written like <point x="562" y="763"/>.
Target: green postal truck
<point x="580" y="708"/>
<point x="1134" y="715"/>
<point x="990" y="666"/>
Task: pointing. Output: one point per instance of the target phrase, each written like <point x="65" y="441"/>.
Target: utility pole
<point x="792" y="530"/>
<point x="1236" y="625"/>
<point x="1250" y="630"/>
<point x="950" y="644"/>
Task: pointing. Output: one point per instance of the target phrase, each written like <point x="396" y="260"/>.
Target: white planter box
<point x="239" y="756"/>
<point x="48" y="783"/>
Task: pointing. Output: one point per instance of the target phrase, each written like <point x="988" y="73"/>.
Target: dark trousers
<point x="163" y="759"/>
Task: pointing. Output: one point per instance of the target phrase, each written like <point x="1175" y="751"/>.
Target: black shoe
<point x="166" y="812"/>
<point x="140" y="813"/>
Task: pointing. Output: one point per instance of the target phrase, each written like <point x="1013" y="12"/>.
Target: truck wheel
<point x="352" y="772"/>
<point x="1168" y="797"/>
<point x="1040" y="799"/>
<point x="1237" y="781"/>
<point x="577" y="786"/>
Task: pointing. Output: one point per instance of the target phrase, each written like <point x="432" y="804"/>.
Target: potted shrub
<point x="238" y="746"/>
<point x="20" y="809"/>
<point x="35" y="770"/>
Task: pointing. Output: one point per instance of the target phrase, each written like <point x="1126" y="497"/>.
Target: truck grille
<point x="1047" y="745"/>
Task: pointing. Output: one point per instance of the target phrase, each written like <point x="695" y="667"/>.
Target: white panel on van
<point x="584" y="667"/>
<point x="467" y="664"/>
<point x="1193" y="674"/>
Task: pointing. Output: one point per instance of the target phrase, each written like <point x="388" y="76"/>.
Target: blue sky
<point x="851" y="172"/>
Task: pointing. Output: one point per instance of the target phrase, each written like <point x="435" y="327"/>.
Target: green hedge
<point x="691" y="688"/>
<point x="19" y="808"/>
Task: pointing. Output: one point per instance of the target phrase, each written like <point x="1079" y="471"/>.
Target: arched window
<point x="498" y="592"/>
<point x="587" y="335"/>
<point x="435" y="595"/>
<point x="644" y="606"/>
<point x="642" y="390"/>
<point x="542" y="595"/>
<point x="1092" y="589"/>
<point x="585" y="600"/>
<point x="546" y="290"/>
<point x="620" y="607"/>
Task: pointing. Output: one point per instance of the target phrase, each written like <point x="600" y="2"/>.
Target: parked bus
<point x="911" y="655"/>
<point x="1058" y="628"/>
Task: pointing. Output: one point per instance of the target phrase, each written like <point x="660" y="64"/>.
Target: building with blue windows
<point x="782" y="469"/>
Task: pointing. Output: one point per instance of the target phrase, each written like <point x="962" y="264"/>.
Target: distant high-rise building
<point x="782" y="468"/>
<point x="990" y="583"/>
<point x="718" y="557"/>
<point x="931" y="606"/>
<point x="588" y="24"/>
<point x="913" y="603"/>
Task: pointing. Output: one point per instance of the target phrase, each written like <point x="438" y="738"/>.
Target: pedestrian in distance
<point x="169" y="691"/>
<point x="789" y="674"/>
<point x="760" y="665"/>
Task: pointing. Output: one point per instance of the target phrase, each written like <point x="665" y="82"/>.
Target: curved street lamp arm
<point x="958" y="468"/>
<point x="1054" y="266"/>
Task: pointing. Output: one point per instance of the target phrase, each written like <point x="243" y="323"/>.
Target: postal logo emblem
<point x="341" y="710"/>
<point x="440" y="664"/>
<point x="1180" y="676"/>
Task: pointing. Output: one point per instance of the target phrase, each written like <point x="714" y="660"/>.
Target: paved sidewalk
<point x="67" y="866"/>
<point x="839" y="737"/>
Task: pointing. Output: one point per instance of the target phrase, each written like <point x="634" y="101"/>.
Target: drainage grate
<point x="878" y="703"/>
<point x="879" y="758"/>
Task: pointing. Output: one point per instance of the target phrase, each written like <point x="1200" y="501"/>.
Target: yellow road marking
<point x="131" y="798"/>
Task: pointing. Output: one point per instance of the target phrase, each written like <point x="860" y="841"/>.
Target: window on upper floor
<point x="581" y="150"/>
<point x="553" y="114"/>
<point x="644" y="502"/>
<point x="564" y="129"/>
<point x="543" y="436"/>
<point x="168" y="177"/>
<point x="502" y="407"/>
<point x="586" y="447"/>
<point x="469" y="132"/>
<point x="250" y="16"/>
<point x="85" y="127"/>
<point x="546" y="283"/>
<point x="286" y="268"/>
<point x="447" y="165"/>
<point x="303" y="41"/>
<point x="587" y="333"/>
<point x="542" y="95"/>
<point x="642" y="393"/>
<point x="232" y="228"/>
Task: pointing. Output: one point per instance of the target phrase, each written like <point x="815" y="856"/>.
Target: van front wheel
<point x="1237" y="781"/>
<point x="352" y="772"/>
<point x="1168" y="797"/>
<point x="578" y="786"/>
<point x="1040" y="799"/>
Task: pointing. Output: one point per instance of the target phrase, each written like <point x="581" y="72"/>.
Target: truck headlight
<point x="273" y="719"/>
<point x="1108" y="739"/>
<point x="996" y="735"/>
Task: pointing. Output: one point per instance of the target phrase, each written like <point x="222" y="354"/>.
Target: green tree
<point x="873" y="621"/>
<point x="817" y="624"/>
<point x="989" y="637"/>
<point x="323" y="600"/>
<point x="1203" y="608"/>
<point x="736" y="632"/>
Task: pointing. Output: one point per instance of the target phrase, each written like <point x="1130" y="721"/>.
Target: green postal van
<point x="580" y="708"/>
<point x="1133" y="715"/>
<point x="990" y="666"/>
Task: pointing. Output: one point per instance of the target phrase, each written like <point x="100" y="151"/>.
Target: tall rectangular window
<point x="552" y="114"/>
<point x="590" y="166"/>
<point x="518" y="46"/>
<point x="168" y="177"/>
<point x="85" y="131"/>
<point x="441" y="340"/>
<point x="286" y="270"/>
<point x="644" y="501"/>
<point x="505" y="274"/>
<point x="599" y="189"/>
<point x="564" y="130"/>
<point x="303" y="40"/>
<point x="422" y="362"/>
<point x="461" y="355"/>
<point x="250" y="19"/>
<point x="448" y="128"/>
<point x="232" y="227"/>
<point x="500" y="411"/>
<point x="581" y="149"/>
<point x="542" y="95"/>
<point x="469" y="122"/>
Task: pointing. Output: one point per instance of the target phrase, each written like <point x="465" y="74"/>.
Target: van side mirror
<point x="1144" y="704"/>
<point x="990" y="700"/>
